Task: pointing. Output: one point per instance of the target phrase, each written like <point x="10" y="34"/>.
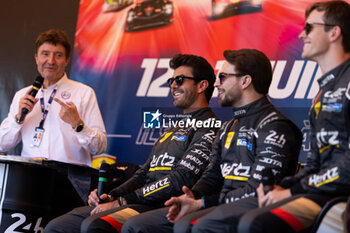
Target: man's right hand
<point x="25" y="102"/>
<point x="93" y="200"/>
<point x="182" y="205"/>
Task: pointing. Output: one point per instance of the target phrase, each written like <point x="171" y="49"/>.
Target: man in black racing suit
<point x="178" y="157"/>
<point x="294" y="206"/>
<point x="327" y="171"/>
<point x="257" y="138"/>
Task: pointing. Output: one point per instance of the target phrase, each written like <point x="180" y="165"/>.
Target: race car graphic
<point x="226" y="8"/>
<point x="149" y="13"/>
<point x="116" y="5"/>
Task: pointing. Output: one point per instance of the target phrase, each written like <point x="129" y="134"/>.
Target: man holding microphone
<point x="62" y="121"/>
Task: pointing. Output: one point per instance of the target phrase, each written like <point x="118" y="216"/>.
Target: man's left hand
<point x="275" y="195"/>
<point x="69" y="113"/>
<point x="105" y="206"/>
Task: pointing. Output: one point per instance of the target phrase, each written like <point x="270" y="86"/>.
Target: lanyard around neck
<point x="45" y="110"/>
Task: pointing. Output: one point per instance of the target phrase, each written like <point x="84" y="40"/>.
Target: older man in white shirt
<point x="64" y="122"/>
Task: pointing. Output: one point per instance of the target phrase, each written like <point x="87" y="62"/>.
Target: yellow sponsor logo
<point x="236" y="178"/>
<point x="328" y="176"/>
<point x="229" y="140"/>
<point x="165" y="137"/>
<point x="326" y="148"/>
<point x="156" y="190"/>
<point x="159" y="169"/>
<point x="327" y="181"/>
<point x="317" y="108"/>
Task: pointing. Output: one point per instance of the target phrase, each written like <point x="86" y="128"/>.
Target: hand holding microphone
<point x="269" y="193"/>
<point x="103" y="176"/>
<point x="267" y="180"/>
<point x="27" y="102"/>
<point x="98" y="195"/>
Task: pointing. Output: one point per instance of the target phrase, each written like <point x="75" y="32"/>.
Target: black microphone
<point x="36" y="86"/>
<point x="103" y="175"/>
<point x="267" y="179"/>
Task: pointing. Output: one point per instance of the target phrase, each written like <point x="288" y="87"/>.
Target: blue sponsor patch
<point x="244" y="142"/>
<point x="179" y="138"/>
<point x="332" y="107"/>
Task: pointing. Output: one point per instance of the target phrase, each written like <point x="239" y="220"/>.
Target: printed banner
<point x="123" y="48"/>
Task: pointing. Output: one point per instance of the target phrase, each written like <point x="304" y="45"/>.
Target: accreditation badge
<point x="38" y="136"/>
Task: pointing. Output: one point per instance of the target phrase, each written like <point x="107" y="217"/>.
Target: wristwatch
<point x="79" y="127"/>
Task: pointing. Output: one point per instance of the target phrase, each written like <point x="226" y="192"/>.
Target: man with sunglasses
<point x="178" y="157"/>
<point x="258" y="138"/>
<point x="326" y="37"/>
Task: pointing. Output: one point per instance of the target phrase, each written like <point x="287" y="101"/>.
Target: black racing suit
<point x="178" y="158"/>
<point x="257" y="138"/>
<point x="327" y="170"/>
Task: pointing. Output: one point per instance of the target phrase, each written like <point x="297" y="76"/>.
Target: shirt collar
<point x="58" y="84"/>
<point x="332" y="74"/>
<point x="251" y="108"/>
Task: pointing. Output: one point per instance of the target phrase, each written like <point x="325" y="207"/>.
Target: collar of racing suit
<point x="199" y="114"/>
<point x="333" y="74"/>
<point x="251" y="108"/>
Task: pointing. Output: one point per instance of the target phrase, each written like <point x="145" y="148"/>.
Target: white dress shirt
<point x="60" y="141"/>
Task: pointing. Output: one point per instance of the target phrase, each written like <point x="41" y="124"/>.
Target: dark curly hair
<point x="201" y="69"/>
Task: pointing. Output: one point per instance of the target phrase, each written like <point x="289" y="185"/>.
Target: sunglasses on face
<point x="178" y="80"/>
<point x="309" y="26"/>
<point x="222" y="76"/>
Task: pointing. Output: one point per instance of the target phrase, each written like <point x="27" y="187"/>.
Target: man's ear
<point x="245" y="81"/>
<point x="202" y="86"/>
<point x="335" y="33"/>
<point x="36" y="58"/>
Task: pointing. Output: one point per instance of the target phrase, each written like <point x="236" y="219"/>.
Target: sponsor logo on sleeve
<point x="190" y="166"/>
<point x="162" y="162"/>
<point x="329" y="176"/>
<point x="156" y="186"/>
<point x="326" y="138"/>
<point x="259" y="168"/>
<point x="271" y="161"/>
<point x="268" y="150"/>
<point x="235" y="171"/>
<point x="233" y="199"/>
<point x="274" y="139"/>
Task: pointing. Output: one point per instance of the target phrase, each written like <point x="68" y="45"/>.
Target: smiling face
<point x="51" y="62"/>
<point x="230" y="93"/>
<point x="185" y="95"/>
<point x="316" y="43"/>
